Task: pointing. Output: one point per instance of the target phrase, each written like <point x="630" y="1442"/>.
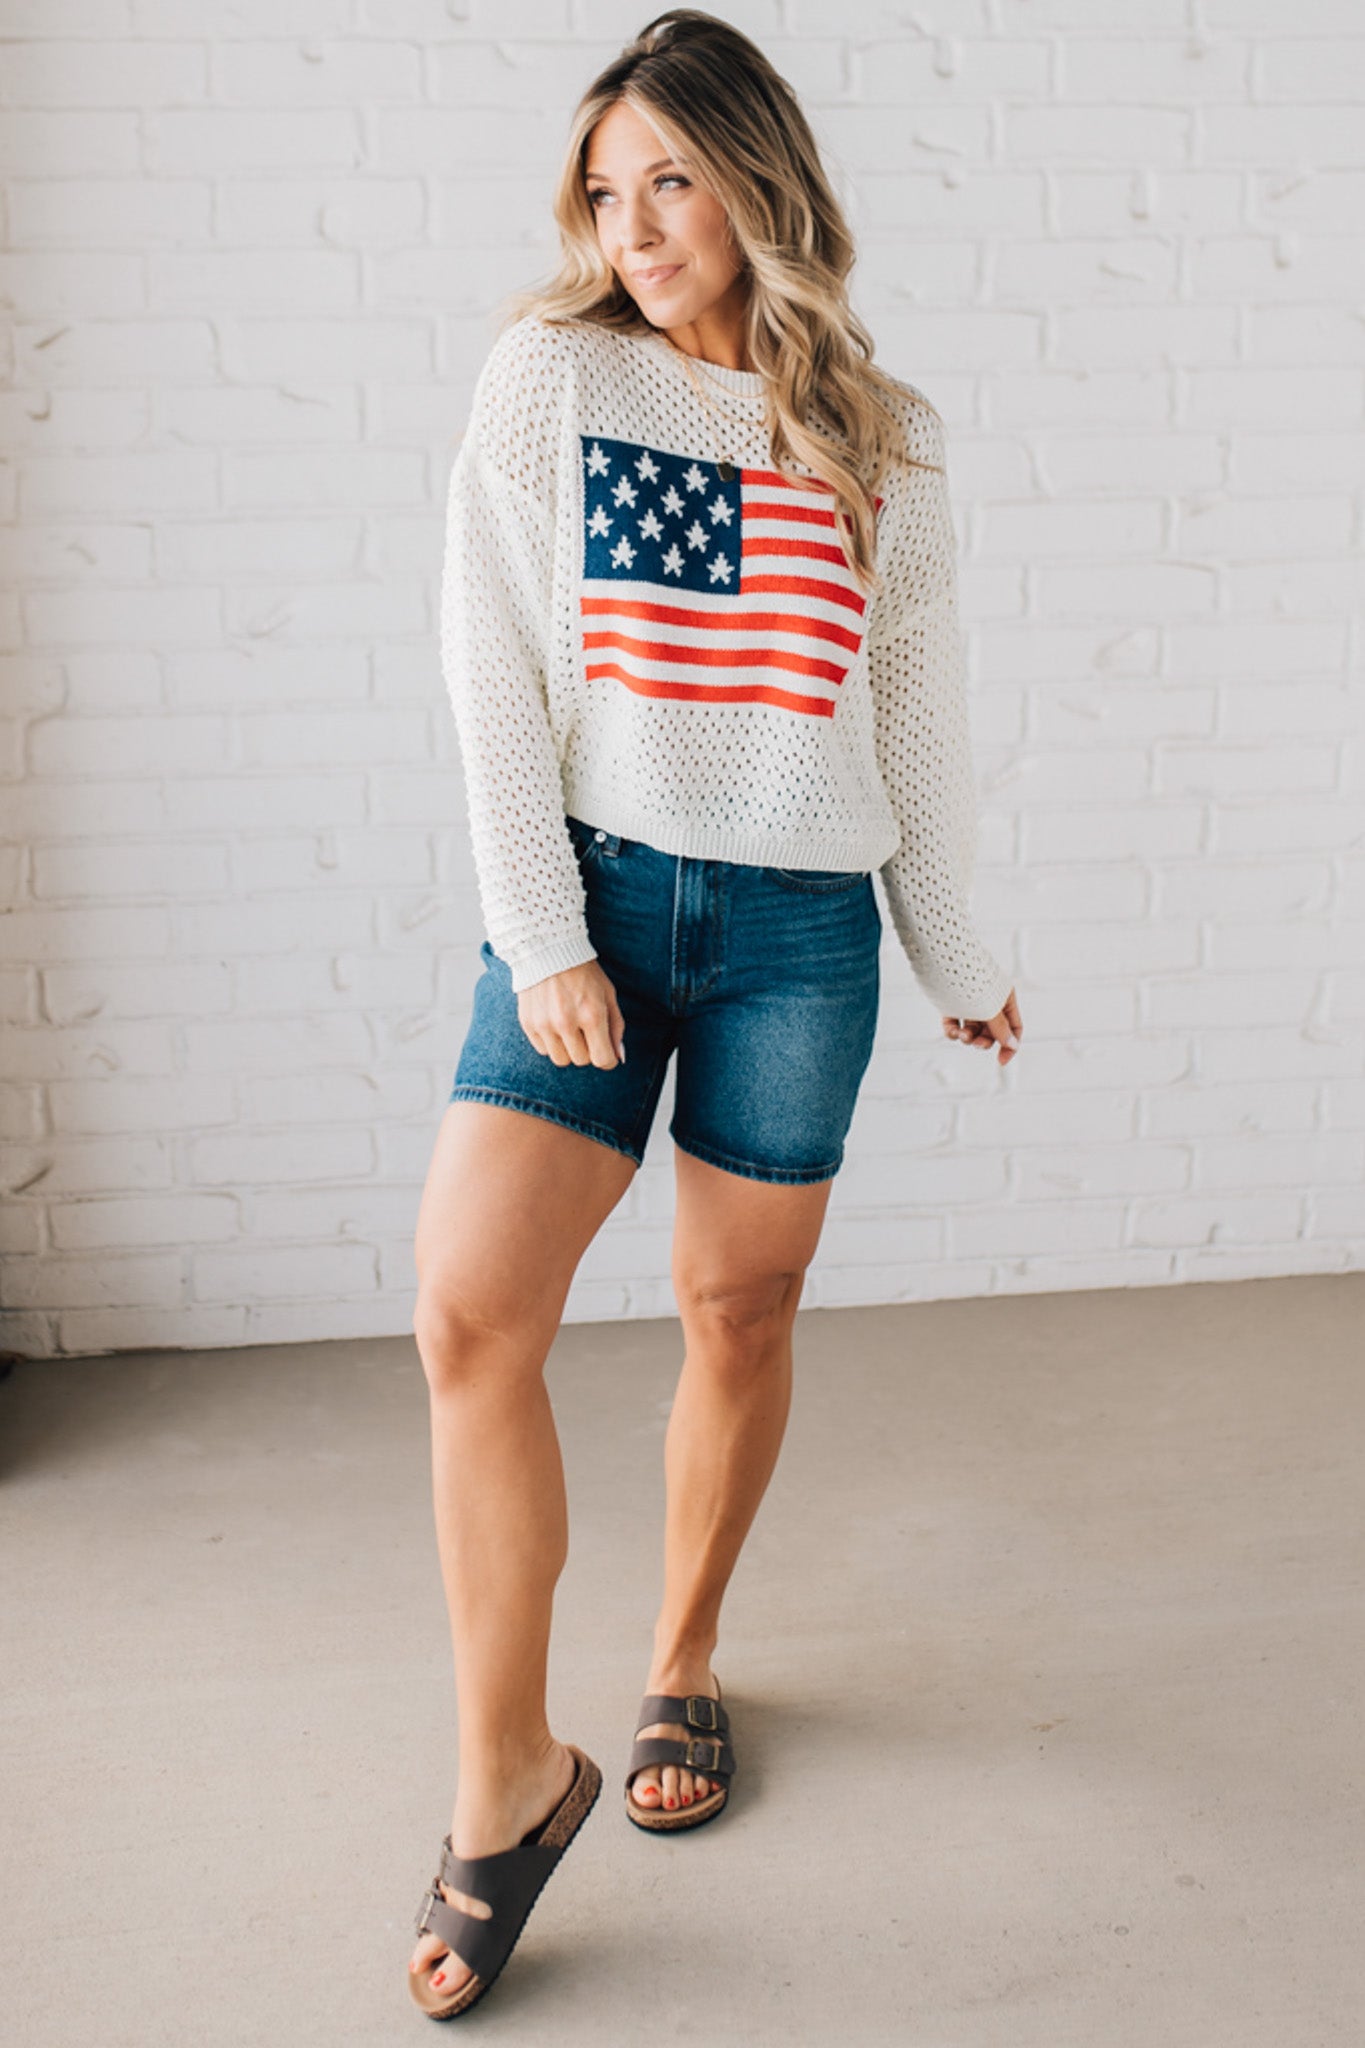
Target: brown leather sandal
<point x="712" y="1754"/>
<point x="508" y="1880"/>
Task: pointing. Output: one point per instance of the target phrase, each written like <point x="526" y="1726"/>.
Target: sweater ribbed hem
<point x="868" y="848"/>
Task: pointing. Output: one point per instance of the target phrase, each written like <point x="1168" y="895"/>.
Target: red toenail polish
<point x="670" y="1802"/>
<point x="439" y="1978"/>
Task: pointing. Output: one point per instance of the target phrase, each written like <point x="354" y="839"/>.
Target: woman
<point x="700" y="634"/>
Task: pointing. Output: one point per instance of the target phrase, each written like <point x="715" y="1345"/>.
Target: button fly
<point x="698" y="929"/>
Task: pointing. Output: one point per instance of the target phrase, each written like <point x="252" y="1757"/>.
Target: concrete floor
<point x="1044" y="1661"/>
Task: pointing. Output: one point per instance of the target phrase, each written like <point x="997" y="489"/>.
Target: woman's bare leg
<point x="511" y="1203"/>
<point x="740" y="1252"/>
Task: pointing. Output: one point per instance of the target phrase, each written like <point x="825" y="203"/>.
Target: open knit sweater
<point x="631" y="638"/>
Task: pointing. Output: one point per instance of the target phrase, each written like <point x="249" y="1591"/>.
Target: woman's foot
<point x="672" y="1785"/>
<point x="487" y="1819"/>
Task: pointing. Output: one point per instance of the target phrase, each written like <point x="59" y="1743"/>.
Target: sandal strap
<point x="694" y="1710"/>
<point x="501" y="1878"/>
<point x="507" y="1880"/>
<point x="707" y="1754"/>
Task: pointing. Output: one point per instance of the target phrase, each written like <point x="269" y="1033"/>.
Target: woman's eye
<point x="668" y="178"/>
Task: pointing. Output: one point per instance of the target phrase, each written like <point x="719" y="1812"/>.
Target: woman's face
<point x="652" y="216"/>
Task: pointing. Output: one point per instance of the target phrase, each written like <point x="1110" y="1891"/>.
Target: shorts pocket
<point x="589" y="842"/>
<point x="818" y="881"/>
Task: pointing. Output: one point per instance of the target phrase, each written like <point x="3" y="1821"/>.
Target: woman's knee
<point x="466" y="1330"/>
<point x="740" y="1321"/>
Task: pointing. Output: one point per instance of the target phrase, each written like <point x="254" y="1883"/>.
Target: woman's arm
<point x="496" y="614"/>
<point x="923" y="740"/>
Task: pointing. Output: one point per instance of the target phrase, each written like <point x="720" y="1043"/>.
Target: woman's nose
<point x="635" y="228"/>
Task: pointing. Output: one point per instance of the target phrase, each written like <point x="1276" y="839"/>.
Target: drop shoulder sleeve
<point x="496" y="612"/>
<point x="923" y="741"/>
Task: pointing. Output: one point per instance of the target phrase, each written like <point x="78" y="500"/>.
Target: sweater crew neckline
<point x="742" y="383"/>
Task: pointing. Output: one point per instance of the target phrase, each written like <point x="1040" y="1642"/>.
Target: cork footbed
<point x="558" y="1831"/>
<point x="660" y="1819"/>
<point x="685" y="1817"/>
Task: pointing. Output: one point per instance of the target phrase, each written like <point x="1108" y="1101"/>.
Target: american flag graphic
<point x="731" y="592"/>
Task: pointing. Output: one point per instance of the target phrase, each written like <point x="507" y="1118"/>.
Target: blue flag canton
<point x="650" y="517"/>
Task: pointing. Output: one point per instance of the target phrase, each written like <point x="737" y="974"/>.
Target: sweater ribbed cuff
<point x="982" y="999"/>
<point x="547" y="956"/>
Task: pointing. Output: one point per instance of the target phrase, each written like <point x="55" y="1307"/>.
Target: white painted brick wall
<point x="251" y="251"/>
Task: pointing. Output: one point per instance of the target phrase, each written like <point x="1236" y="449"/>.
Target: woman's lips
<point x="655" y="277"/>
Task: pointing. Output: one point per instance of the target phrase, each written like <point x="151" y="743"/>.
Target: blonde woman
<point x="699" y="628"/>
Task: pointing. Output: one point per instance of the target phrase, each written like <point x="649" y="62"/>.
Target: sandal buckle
<point x="424" y="1910"/>
<point x="695" y="1757"/>
<point x="701" y="1711"/>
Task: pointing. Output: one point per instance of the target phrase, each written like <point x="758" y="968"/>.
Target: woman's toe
<point x="449" y="1975"/>
<point x="431" y="1957"/>
<point x="646" y="1789"/>
<point x="432" y="1954"/>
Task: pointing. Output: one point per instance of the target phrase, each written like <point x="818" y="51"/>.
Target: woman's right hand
<point x="573" y="1017"/>
<point x="1004" y="1029"/>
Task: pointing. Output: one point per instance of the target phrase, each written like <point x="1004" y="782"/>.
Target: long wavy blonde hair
<point x="714" y="99"/>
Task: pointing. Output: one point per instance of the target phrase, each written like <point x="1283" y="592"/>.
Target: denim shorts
<point x="764" y="980"/>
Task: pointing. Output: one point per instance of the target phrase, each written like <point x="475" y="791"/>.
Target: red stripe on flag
<point x="808" y="550"/>
<point x="719" y="657"/>
<point x="773" y="480"/>
<point x="794" y="515"/>
<point x="803" y="586"/>
<point x="723" y="622"/>
<point x="747" y="693"/>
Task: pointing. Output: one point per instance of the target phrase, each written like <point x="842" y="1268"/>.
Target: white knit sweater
<point x="628" y="637"/>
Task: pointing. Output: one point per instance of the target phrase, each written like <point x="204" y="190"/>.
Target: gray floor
<point x="1044" y="1660"/>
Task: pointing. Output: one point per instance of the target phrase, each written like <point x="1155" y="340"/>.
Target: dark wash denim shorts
<point x="764" y="980"/>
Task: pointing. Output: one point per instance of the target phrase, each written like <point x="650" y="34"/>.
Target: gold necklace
<point x="725" y="466"/>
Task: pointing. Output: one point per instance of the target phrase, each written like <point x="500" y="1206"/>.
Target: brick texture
<point x="249" y="256"/>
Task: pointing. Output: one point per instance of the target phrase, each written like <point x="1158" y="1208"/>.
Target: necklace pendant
<point x="725" y="470"/>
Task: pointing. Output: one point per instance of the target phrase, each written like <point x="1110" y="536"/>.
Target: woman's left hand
<point x="1004" y="1030"/>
